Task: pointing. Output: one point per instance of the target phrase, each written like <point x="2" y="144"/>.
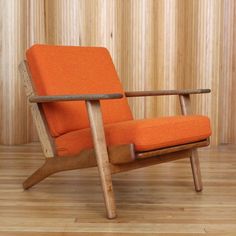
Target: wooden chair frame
<point x="109" y="160"/>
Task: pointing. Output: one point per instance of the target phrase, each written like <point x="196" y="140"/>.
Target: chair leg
<point x="96" y="123"/>
<point x="196" y="170"/>
<point x="106" y="182"/>
<point x="39" y="175"/>
<point x="53" y="165"/>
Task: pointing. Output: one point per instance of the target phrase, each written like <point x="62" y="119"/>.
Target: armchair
<point x="83" y="119"/>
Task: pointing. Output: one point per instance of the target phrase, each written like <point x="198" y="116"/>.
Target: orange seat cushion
<point x="145" y="134"/>
<point x="60" y="70"/>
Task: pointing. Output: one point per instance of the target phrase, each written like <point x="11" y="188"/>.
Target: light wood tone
<point x="21" y="25"/>
<point x="63" y="22"/>
<point x="99" y="141"/>
<point x="227" y="111"/>
<point x="70" y="203"/>
<point x="35" y="22"/>
<point x="37" y="113"/>
<point x="186" y="109"/>
<point x="13" y="105"/>
<point x="35" y="27"/>
<point x="164" y="44"/>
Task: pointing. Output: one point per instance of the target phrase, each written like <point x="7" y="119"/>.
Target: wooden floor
<point x="158" y="200"/>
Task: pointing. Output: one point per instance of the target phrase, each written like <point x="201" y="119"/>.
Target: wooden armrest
<point x="76" y="97"/>
<point x="166" y="92"/>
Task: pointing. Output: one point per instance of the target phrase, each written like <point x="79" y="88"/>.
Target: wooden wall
<point x="155" y="44"/>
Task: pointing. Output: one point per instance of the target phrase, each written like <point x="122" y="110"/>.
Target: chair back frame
<point x="45" y="137"/>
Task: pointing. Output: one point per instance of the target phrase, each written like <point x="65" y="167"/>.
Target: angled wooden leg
<point x="185" y="104"/>
<point x="56" y="164"/>
<point x="96" y="123"/>
<point x="196" y="170"/>
<point x="39" y="175"/>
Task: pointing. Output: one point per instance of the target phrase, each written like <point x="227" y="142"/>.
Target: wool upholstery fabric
<point x="63" y="70"/>
<point x="145" y="134"/>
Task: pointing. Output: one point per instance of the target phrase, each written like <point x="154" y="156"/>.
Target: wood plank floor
<point x="158" y="200"/>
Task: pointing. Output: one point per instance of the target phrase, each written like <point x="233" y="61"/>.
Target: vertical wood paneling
<point x="35" y="28"/>
<point x="170" y="54"/>
<point x="149" y="58"/>
<point x="226" y="105"/>
<point x="62" y="22"/>
<point x="137" y="45"/>
<point x="233" y="102"/>
<point x="13" y="112"/>
<point x="159" y="67"/>
<point x="207" y="64"/>
<point x="35" y="22"/>
<point x="164" y="44"/>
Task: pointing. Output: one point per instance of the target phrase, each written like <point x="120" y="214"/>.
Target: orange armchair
<point x="83" y="118"/>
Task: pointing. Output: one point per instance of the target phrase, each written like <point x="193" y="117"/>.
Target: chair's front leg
<point x="185" y="104"/>
<point x="96" y="124"/>
<point x="196" y="170"/>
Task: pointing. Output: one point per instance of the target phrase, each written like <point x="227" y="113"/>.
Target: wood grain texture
<point x="57" y="164"/>
<point x="196" y="170"/>
<point x="13" y="108"/>
<point x="186" y="109"/>
<point x="145" y="162"/>
<point x="166" y="92"/>
<point x="228" y="64"/>
<point x="158" y="152"/>
<point x="62" y="22"/>
<point x="47" y="141"/>
<point x="155" y="45"/>
<point x="100" y="148"/>
<point x="35" y="33"/>
<point x="157" y="201"/>
<point x="74" y="97"/>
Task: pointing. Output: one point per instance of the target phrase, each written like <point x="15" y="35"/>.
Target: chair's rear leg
<point x="196" y="170"/>
<point x="96" y="123"/>
<point x="39" y="175"/>
<point x="56" y="164"/>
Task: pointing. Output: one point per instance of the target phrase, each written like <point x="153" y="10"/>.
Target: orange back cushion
<point x="60" y="70"/>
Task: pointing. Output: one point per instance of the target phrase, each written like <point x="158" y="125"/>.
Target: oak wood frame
<point x="109" y="160"/>
<point x="165" y="92"/>
<point x="64" y="98"/>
